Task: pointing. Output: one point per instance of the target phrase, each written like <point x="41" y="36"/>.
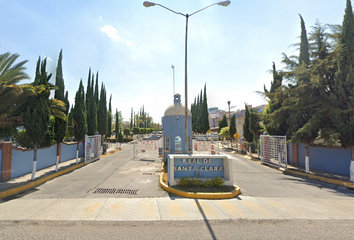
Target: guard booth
<point x="174" y="129"/>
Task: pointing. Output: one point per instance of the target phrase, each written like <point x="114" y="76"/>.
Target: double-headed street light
<point x="150" y="4"/>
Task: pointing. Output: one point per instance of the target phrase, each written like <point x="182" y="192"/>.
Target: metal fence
<point x="92" y="148"/>
<point x="274" y="151"/>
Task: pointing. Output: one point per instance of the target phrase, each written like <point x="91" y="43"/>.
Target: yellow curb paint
<point x="180" y="193"/>
<point x="35" y="183"/>
<point x="323" y="179"/>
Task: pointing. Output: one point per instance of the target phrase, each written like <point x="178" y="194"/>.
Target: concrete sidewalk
<point x="174" y="208"/>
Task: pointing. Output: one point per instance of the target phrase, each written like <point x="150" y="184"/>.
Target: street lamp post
<point x="173" y="69"/>
<point x="150" y="4"/>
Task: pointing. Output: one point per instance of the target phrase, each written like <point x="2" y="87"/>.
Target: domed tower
<point x="174" y="128"/>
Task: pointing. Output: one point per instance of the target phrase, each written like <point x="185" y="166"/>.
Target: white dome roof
<point x="176" y="109"/>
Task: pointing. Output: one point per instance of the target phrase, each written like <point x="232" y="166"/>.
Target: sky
<point x="230" y="49"/>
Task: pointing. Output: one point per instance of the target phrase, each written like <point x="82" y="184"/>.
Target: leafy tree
<point x="12" y="96"/>
<point x="126" y="132"/>
<point x="79" y="117"/>
<point x="36" y="116"/>
<point x="222" y="123"/>
<point x="120" y="138"/>
<point x="232" y="126"/>
<point x="136" y="130"/>
<point x="275" y="124"/>
<point x="225" y="132"/>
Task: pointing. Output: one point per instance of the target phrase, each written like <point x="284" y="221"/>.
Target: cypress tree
<point x="117" y="131"/>
<point x="200" y="116"/>
<point x="70" y="133"/>
<point x="37" y="114"/>
<point x="109" y="118"/>
<point x="304" y="57"/>
<point x="102" y="113"/>
<point x="205" y="113"/>
<point x="91" y="106"/>
<point x="232" y="126"/>
<point x="79" y="117"/>
<point x="60" y="126"/>
<point x="88" y="94"/>
<point x="342" y="98"/>
<point x="247" y="134"/>
<point x="254" y="124"/>
<point x="96" y="99"/>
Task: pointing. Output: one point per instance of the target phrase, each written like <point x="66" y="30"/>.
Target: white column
<point x="307" y="164"/>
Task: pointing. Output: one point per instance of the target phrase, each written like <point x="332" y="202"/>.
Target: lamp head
<point x="224" y="3"/>
<point x="148" y="4"/>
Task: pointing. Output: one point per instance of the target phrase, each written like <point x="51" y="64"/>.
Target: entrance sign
<point x="202" y="167"/>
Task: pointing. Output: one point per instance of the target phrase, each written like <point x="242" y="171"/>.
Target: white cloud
<point x="130" y="43"/>
<point x="100" y="18"/>
<point x="111" y="32"/>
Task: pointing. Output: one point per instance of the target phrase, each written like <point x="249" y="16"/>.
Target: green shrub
<point x="127" y="139"/>
<point x="214" y="182"/>
<point x="217" y="182"/>
<point x="185" y="182"/>
<point x="196" y="182"/>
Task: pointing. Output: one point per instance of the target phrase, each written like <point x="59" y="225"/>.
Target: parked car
<point x="151" y="137"/>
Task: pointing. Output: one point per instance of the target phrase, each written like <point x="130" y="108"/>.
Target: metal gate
<point x="147" y="149"/>
<point x="205" y="144"/>
<point x="274" y="151"/>
<point x="92" y="148"/>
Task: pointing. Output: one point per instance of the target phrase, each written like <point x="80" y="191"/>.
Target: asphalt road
<point x="120" y="170"/>
<point x="258" y="180"/>
<point x="240" y="229"/>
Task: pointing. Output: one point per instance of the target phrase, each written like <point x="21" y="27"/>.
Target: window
<point x="167" y="143"/>
<point x="178" y="144"/>
<point x="189" y="144"/>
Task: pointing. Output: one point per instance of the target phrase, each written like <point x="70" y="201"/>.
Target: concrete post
<point x="6" y="161"/>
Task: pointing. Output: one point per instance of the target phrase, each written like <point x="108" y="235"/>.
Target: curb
<point x="232" y="194"/>
<point x="35" y="183"/>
